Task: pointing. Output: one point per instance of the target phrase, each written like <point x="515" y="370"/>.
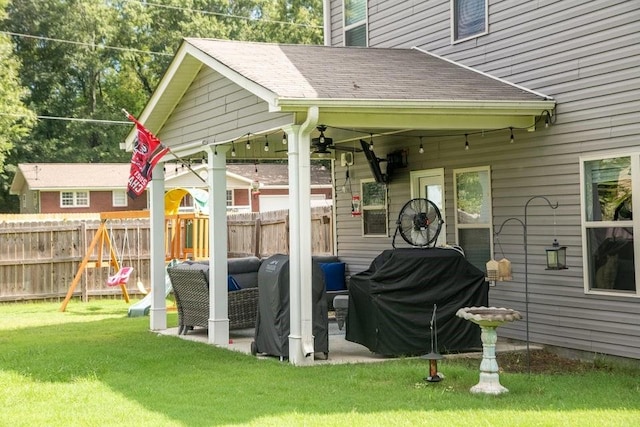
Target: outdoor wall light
<point x="556" y="256"/>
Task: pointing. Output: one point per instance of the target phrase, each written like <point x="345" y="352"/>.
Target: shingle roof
<point x="42" y="176"/>
<point x="277" y="173"/>
<point x="323" y="72"/>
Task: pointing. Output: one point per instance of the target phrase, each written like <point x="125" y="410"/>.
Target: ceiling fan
<point x="322" y="144"/>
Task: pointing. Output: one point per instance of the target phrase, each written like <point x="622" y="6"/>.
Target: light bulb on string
<point x="266" y="143"/>
<point x="233" y="149"/>
<point x="371" y="142"/>
<point x="511" y="138"/>
<point x="466" y="142"/>
<point x="421" y="149"/>
<point x="284" y="138"/>
<point x="215" y="150"/>
<point x="248" y="144"/>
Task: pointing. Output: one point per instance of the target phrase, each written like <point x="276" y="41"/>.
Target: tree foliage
<point x="89" y="79"/>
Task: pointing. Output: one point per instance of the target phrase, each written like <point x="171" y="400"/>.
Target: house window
<point x="355" y="23"/>
<point x="70" y="199"/>
<point x="473" y="214"/>
<point x="608" y="225"/>
<point x="468" y="19"/>
<point x="374" y="208"/>
<point x="229" y="197"/>
<point x="119" y="198"/>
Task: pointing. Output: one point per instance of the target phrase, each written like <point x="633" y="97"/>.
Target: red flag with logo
<point x="147" y="151"/>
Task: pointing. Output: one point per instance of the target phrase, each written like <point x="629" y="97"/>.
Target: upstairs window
<point x="468" y="19"/>
<point x="355" y="23"/>
<point x="71" y="199"/>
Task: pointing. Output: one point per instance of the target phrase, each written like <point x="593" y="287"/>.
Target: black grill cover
<point x="273" y="322"/>
<point x="391" y="303"/>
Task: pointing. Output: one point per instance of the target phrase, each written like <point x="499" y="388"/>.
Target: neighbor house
<point x="253" y="187"/>
<point x="101" y="187"/>
<point x="74" y="188"/>
<point x="494" y="110"/>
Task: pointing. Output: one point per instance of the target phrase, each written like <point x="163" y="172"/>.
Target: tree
<point x="15" y="118"/>
<point x="72" y="71"/>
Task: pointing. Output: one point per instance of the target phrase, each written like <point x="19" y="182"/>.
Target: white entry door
<point x="429" y="184"/>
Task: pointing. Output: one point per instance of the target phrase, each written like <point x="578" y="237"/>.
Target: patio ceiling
<point x="359" y="91"/>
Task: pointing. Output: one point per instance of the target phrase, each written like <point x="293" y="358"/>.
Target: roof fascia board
<point x="415" y="106"/>
<point x="158" y="93"/>
<point x="229" y="73"/>
<point x="483" y="73"/>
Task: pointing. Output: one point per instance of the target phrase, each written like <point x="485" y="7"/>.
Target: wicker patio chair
<point x="191" y="290"/>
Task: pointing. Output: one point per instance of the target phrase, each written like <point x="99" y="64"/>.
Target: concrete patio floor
<point x="340" y="350"/>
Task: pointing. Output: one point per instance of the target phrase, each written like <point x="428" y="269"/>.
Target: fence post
<point x="257" y="241"/>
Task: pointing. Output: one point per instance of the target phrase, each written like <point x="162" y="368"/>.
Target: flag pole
<point x="133" y="119"/>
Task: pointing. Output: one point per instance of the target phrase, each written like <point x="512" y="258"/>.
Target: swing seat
<point x="121" y="277"/>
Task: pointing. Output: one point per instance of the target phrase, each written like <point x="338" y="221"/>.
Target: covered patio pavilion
<point x="216" y="95"/>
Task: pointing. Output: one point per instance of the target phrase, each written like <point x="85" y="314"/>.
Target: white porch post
<point x="301" y="342"/>
<point x="218" y="298"/>
<point x="158" y="311"/>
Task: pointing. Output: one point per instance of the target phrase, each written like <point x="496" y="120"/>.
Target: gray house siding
<point x="214" y="102"/>
<point x="584" y="54"/>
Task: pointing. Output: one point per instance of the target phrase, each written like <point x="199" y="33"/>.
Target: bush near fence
<point x="40" y="255"/>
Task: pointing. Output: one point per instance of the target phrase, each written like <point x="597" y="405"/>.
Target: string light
<point x="284" y="138"/>
<point x="421" y="149"/>
<point x="371" y="142"/>
<point x="248" y="144"/>
<point x="512" y="138"/>
<point x="266" y="143"/>
<point x="233" y="149"/>
<point x="466" y="141"/>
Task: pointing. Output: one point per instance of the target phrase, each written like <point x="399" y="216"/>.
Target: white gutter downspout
<point x="301" y="343"/>
<point x="326" y="15"/>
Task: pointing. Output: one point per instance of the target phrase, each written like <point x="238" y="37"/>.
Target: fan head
<point x="419" y="223"/>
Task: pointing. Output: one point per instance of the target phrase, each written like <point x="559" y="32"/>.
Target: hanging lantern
<point x="492" y="271"/>
<point x="504" y="270"/>
<point x="556" y="256"/>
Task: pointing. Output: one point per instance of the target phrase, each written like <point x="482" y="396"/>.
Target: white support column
<point x="158" y="311"/>
<point x="218" y="296"/>
<point x="301" y="340"/>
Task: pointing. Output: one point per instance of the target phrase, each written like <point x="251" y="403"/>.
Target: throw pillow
<point x="334" y="275"/>
<point x="232" y="285"/>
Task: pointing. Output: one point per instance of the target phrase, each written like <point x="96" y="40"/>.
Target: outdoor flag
<point x="147" y="151"/>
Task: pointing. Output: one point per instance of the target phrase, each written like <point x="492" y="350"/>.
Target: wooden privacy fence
<point x="40" y="257"/>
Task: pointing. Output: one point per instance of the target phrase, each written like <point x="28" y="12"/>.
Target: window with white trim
<point x="474" y="219"/>
<point x="229" y="197"/>
<point x="119" y="198"/>
<point x="469" y="19"/>
<point x="355" y="23"/>
<point x="608" y="226"/>
<point x="71" y="199"/>
<point x="374" y="208"/>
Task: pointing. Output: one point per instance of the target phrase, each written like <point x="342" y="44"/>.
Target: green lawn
<point x="93" y="366"/>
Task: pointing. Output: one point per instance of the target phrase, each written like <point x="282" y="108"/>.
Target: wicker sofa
<point x="190" y="282"/>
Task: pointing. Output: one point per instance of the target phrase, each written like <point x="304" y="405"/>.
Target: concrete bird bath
<point x="489" y="318"/>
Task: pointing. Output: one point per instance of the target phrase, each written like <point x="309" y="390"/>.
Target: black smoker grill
<point x="273" y="321"/>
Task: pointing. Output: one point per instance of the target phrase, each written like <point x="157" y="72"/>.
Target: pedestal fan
<point x="419" y="223"/>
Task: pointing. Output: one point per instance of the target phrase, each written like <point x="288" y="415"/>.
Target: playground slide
<point x="142" y="307"/>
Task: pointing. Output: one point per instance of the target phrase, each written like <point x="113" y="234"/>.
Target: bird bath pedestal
<point x="489" y="318"/>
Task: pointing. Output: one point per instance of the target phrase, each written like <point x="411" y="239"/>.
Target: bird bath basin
<point x="489" y="319"/>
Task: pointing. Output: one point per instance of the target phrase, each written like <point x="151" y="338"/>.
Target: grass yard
<point x="94" y="366"/>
